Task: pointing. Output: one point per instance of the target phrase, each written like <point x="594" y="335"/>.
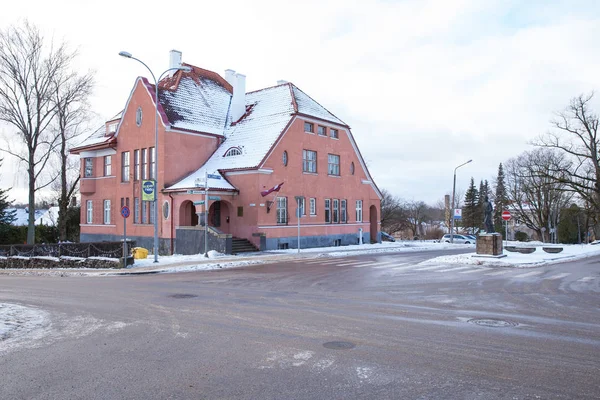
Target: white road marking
<point x="586" y="279"/>
<point x="559" y="276"/>
<point x="475" y="270"/>
<point x="497" y="273"/>
<point x="527" y="274"/>
<point x="388" y="264"/>
<point x="453" y="269"/>
<point x="401" y="268"/>
<point x="430" y="268"/>
<point x="362" y="264"/>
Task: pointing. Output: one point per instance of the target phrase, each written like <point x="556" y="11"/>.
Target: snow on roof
<point x="49" y="217"/>
<point x="97" y="137"/>
<point x="269" y="111"/>
<point x="22" y="216"/>
<point x="306" y="105"/>
<point x="198" y="104"/>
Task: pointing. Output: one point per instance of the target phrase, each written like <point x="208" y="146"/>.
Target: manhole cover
<point x="339" y="345"/>
<point x="492" y="322"/>
<point x="182" y="296"/>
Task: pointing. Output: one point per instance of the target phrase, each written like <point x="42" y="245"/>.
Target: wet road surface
<point x="360" y="327"/>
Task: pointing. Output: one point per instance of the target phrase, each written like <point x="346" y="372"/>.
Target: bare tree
<point x="535" y="196"/>
<point x="416" y="214"/>
<point x="393" y="214"/>
<point x="28" y="67"/>
<point x="71" y="95"/>
<point x="575" y="134"/>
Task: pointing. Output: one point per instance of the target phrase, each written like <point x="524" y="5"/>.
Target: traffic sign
<point x="458" y="213"/>
<point x="212" y="176"/>
<point x="215" y="198"/>
<point x="506" y="215"/>
<point x="125" y="212"/>
<point x="195" y="192"/>
<point x="199" y="203"/>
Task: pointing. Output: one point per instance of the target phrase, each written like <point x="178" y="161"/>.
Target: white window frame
<point x="309" y="164"/>
<point x="88" y="169"/>
<point x="282" y="210"/>
<point x="89" y="212"/>
<point x="321" y="128"/>
<point x="152" y="212"/>
<point x="327" y="212"/>
<point x="359" y="210"/>
<point x="302" y="206"/>
<point x="144" y="212"/>
<point x="310" y="126"/>
<point x="136" y="165"/>
<point x="136" y="210"/>
<point x="336" y="212"/>
<point x="144" y="163"/>
<point x="106" y="212"/>
<point x="313" y="206"/>
<point x="333" y="133"/>
<point x="343" y="213"/>
<point x="125" y="166"/>
<point x="234" y="151"/>
<point x="152" y="164"/>
<point x="107" y="165"/>
<point x="333" y="164"/>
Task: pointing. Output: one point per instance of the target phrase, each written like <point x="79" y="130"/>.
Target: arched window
<point x="352" y="168"/>
<point x="284" y="158"/>
<point x="234" y="151"/>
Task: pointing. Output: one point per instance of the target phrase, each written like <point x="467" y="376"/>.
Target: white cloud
<point x="425" y="85"/>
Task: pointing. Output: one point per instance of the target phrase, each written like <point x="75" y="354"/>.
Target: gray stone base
<point x="164" y="245"/>
<point x="291" y="242"/>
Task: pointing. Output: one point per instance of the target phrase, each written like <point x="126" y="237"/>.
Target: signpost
<point x="125" y="213"/>
<point x="458" y="213"/>
<point x="298" y="215"/>
<point x="506" y="217"/>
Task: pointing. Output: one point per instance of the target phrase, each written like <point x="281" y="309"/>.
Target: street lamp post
<point x="185" y="69"/>
<point x="452" y="211"/>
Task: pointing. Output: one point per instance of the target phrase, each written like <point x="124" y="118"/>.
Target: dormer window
<point x="234" y="151"/>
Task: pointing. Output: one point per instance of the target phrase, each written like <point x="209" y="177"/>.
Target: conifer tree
<point x="6" y="216"/>
<point x="500" y="197"/>
<point x="470" y="209"/>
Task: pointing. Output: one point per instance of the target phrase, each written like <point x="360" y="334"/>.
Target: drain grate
<point x="492" y="322"/>
<point x="182" y="296"/>
<point x="339" y="345"/>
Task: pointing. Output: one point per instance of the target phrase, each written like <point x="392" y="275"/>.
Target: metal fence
<point x="84" y="250"/>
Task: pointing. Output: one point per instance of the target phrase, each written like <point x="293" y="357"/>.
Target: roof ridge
<point x="319" y="104"/>
<point x="270" y="87"/>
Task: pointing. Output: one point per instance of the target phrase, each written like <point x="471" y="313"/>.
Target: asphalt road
<point x="362" y="327"/>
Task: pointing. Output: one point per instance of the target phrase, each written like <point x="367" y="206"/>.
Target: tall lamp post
<point x="452" y="211"/>
<point x="182" y="68"/>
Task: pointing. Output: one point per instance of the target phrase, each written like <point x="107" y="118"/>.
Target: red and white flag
<point x="273" y="189"/>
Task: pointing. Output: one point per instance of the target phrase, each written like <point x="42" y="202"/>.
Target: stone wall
<point x="489" y="244"/>
<point x="56" y="262"/>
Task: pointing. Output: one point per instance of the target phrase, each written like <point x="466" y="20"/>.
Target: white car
<point x="461" y="239"/>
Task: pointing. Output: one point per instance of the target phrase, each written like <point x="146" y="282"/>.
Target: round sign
<point x="148" y="187"/>
<point x="125" y="212"/>
<point x="506" y="215"/>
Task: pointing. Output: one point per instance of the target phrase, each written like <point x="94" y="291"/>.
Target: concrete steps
<point x="239" y="245"/>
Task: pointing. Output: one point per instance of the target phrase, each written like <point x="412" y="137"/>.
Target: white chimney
<point x="281" y="82"/>
<point x="230" y="77"/>
<point x="238" y="103"/>
<point x="174" y="60"/>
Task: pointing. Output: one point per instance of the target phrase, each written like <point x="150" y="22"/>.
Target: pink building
<point x="247" y="143"/>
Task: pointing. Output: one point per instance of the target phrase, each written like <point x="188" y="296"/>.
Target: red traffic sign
<point x="125" y="212"/>
<point x="506" y="215"/>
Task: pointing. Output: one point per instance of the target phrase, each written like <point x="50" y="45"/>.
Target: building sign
<point x="148" y="190"/>
<point x="458" y="213"/>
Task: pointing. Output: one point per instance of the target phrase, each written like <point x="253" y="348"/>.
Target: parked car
<point x="387" y="236"/>
<point x="472" y="237"/>
<point x="461" y="239"/>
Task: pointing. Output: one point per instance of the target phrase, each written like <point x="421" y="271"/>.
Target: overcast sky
<point x="424" y="85"/>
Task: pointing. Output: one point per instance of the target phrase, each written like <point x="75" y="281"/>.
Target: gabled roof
<point x="307" y="106"/>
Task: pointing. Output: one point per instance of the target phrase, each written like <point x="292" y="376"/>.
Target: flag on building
<point x="273" y="189"/>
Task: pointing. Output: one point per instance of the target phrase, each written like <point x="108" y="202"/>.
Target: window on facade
<point x="240" y="211"/>
<point x="284" y="158"/>
<point x="282" y="210"/>
<point x="136" y="210"/>
<point x="125" y="166"/>
<point x="107" y="211"/>
<point x="152" y="163"/>
<point x="336" y="211"/>
<point x="343" y="214"/>
<point x="333" y="133"/>
<point x="352" y="168"/>
<point x="152" y="212"/>
<point x="313" y="206"/>
<point x="334" y="164"/>
<point x="359" y="211"/>
<point x="138" y="116"/>
<point x="166" y="210"/>
<point x="309" y="161"/>
<point x="107" y="165"/>
<point x="144" y="212"/>
<point x="321" y="130"/>
<point x="327" y="210"/>
<point x="89" y="211"/>
<point x="309" y="127"/>
<point x="144" y="164"/>
<point x="234" y="151"/>
<point x="136" y="165"/>
<point x="88" y="171"/>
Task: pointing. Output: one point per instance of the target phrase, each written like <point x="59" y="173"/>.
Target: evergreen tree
<point x="500" y="198"/>
<point x="471" y="208"/>
<point x="6" y="217"/>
